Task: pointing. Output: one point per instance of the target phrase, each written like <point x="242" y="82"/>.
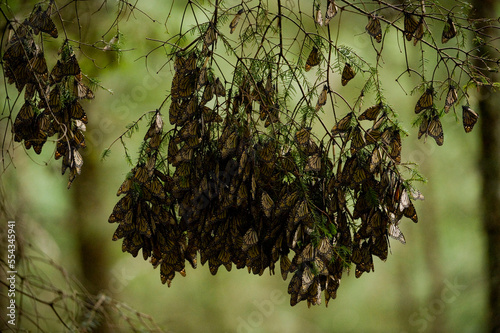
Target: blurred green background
<point x="434" y="283"/>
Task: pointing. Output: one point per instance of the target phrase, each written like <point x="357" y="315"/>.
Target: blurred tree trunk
<point x="490" y="172"/>
<point x="91" y="242"/>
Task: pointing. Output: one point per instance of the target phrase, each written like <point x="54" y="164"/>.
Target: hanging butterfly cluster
<point x="245" y="183"/>
<point x="237" y="197"/>
<point x="51" y="100"/>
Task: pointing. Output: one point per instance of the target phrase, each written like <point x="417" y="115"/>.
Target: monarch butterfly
<point x="322" y="97"/>
<point x="325" y="248"/>
<point x="319" y="17"/>
<point x="210" y="36"/>
<point x="287" y="202"/>
<point x="313" y="164"/>
<point x="411" y="213"/>
<point x="202" y="78"/>
<point x="185" y="154"/>
<point x="219" y="88"/>
<point x="62" y="69"/>
<point x="451" y="98"/>
<point x="372" y="136"/>
<point x="420" y="31"/>
<point x="249" y="239"/>
<point x="267" y="153"/>
<point x="77" y="160"/>
<point x="449" y="31"/>
<point x="285" y="264"/>
<point x="190" y="64"/>
<point x="124" y="187"/>
<point x="371" y="113"/>
<point x="331" y="11"/>
<point x="54" y="98"/>
<point x="141" y="174"/>
<point x="433" y="128"/>
<point x="313" y="59"/>
<point x="396" y="233"/>
<point x="423" y="127"/>
<point x="38" y="63"/>
<point x="208" y="94"/>
<point x="410" y="26"/>
<point x="343" y="124"/>
<point x="229" y="146"/>
<point x="82" y="91"/>
<point x="395" y="145"/>
<point x="242" y="196"/>
<point x="359" y="174"/>
<point x="375" y="159"/>
<point x="307" y="254"/>
<point x="374" y="29"/>
<point x="183" y="85"/>
<point x="76" y="111"/>
<point x="380" y="247"/>
<point x="267" y="204"/>
<point x="288" y="163"/>
<point x="416" y="195"/>
<point x="41" y="21"/>
<point x="347" y="74"/>
<point x="189" y="130"/>
<point x="307" y="279"/>
<point x="469" y="118"/>
<point x="302" y="211"/>
<point x="235" y="20"/>
<point x="425" y="101"/>
<point x="302" y="136"/>
<point x="358" y="141"/>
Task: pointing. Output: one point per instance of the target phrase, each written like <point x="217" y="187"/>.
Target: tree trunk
<point x="490" y="172"/>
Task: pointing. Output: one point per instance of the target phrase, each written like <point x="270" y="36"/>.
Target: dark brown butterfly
<point x="449" y="31"/>
<point x="357" y="139"/>
<point x="433" y="128"/>
<point x="371" y="113"/>
<point x="235" y="20"/>
<point x="313" y="59"/>
<point x="425" y="101"/>
<point x="38" y="64"/>
<point x="313" y="164"/>
<point x="374" y="29"/>
<point x="347" y="74"/>
<point x="219" y="88"/>
<point x="410" y="26"/>
<point x="343" y="124"/>
<point x="267" y="204"/>
<point x="419" y="33"/>
<point x="285" y="264"/>
<point x="41" y="21"/>
<point x="322" y="98"/>
<point x="230" y="145"/>
<point x="451" y="98"/>
<point x="302" y="136"/>
<point x="469" y="118"/>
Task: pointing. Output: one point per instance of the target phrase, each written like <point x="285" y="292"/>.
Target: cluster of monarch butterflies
<point x="51" y="99"/>
<point x="230" y="184"/>
<point x="431" y="123"/>
<point x="234" y="196"/>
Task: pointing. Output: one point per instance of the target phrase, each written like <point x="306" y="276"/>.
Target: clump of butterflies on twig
<point x="51" y="99"/>
<point x="236" y="194"/>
